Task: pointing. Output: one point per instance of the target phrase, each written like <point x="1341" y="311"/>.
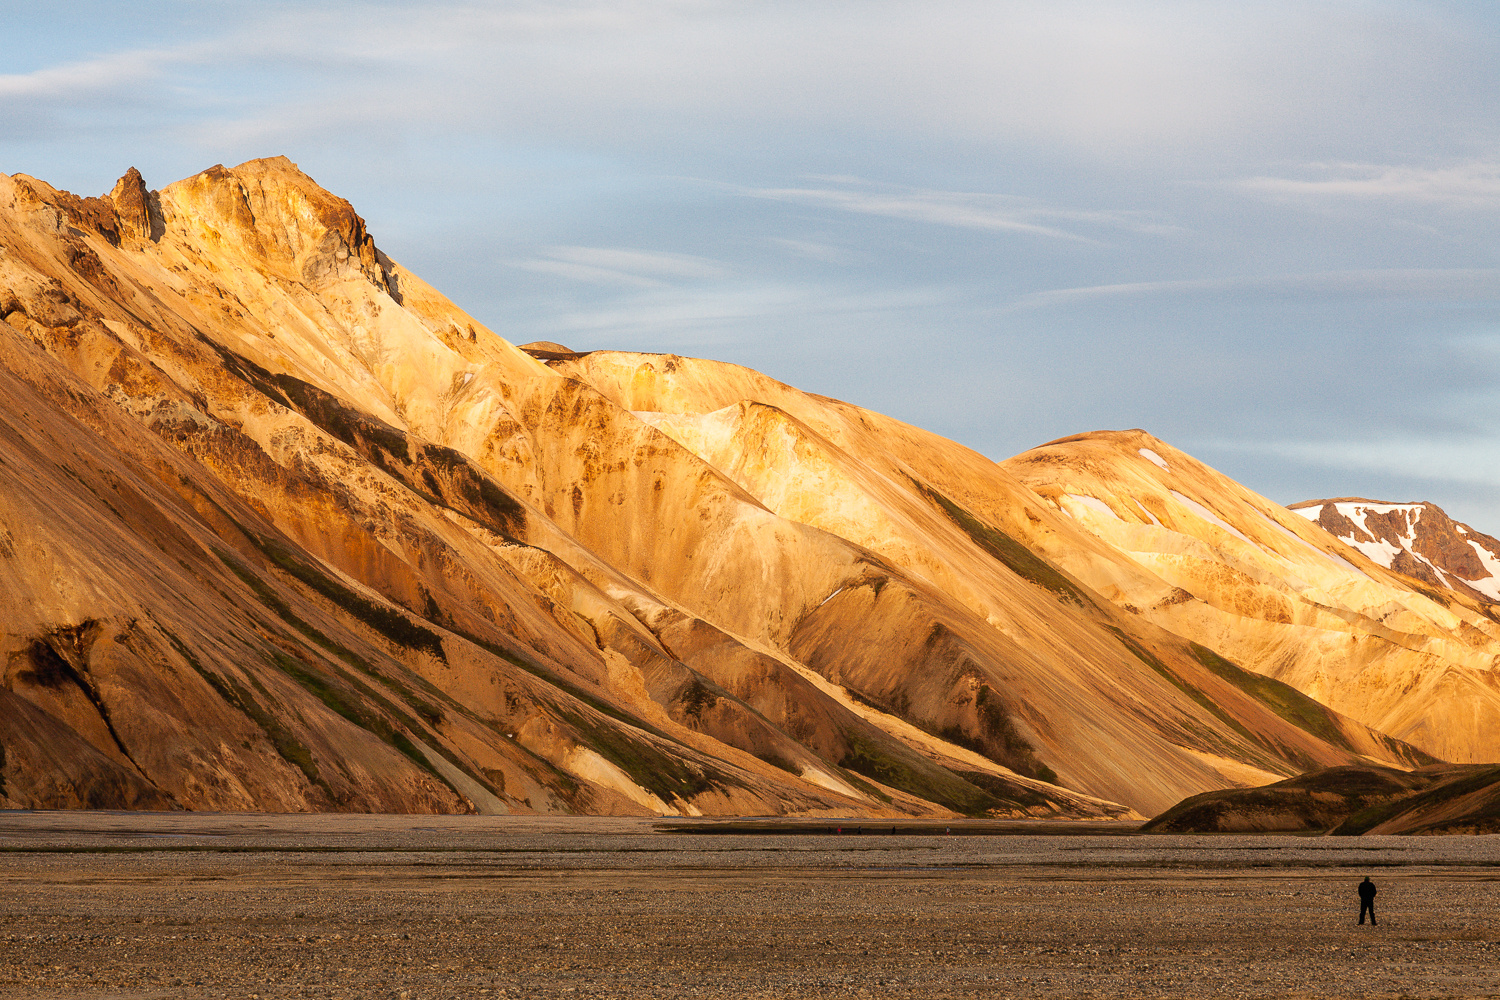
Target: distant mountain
<point x="282" y="528"/>
<point x="1416" y="539"/>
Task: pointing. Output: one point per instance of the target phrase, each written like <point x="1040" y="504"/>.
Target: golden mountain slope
<point x="1274" y="593"/>
<point x="282" y="528"/>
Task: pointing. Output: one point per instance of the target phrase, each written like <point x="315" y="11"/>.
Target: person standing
<point x="1367" y="892"/>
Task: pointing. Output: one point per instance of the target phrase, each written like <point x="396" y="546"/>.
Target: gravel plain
<point x="182" y="905"/>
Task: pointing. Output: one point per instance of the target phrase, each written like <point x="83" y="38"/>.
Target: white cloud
<point x="1112" y="79"/>
<point x="614" y="266"/>
<point x="1471" y="185"/>
<point x="813" y="250"/>
<point x="1439" y="283"/>
<point x="89" y="77"/>
<point x="959" y="209"/>
<point x="705" y="315"/>
<point x="1474" y="460"/>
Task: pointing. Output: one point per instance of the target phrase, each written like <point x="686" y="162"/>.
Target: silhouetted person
<point x="1367" y="892"/>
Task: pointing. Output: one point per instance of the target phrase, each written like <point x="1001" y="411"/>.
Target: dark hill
<point x="1344" y="800"/>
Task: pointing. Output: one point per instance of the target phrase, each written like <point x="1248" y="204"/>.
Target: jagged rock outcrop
<point x="1418" y="540"/>
<point x="282" y="528"/>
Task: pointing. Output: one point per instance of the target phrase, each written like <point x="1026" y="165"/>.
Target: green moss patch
<point x="1015" y="556"/>
<point x="1283" y="699"/>
<point x="422" y="468"/>
<point x="292" y="750"/>
<point x="913" y="773"/>
<point x="392" y="624"/>
<point x="662" y="774"/>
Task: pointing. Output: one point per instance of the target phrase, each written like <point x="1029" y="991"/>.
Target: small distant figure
<point x="1367" y="892"/>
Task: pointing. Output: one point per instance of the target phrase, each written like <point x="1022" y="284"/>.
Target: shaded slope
<point x="1349" y="801"/>
<point x="1312" y="802"/>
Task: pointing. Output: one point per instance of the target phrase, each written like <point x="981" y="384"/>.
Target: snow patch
<point x="1210" y="516"/>
<point x="1097" y="506"/>
<point x="1490" y="587"/>
<point x="1336" y="560"/>
<point x="831" y="596"/>
<point x="1153" y="458"/>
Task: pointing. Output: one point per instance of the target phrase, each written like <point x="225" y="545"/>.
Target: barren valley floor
<point x="199" y="905"/>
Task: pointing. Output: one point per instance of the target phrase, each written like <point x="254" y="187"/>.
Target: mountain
<point x="282" y="528"/>
<point x="1418" y="540"/>
<point x="1201" y="556"/>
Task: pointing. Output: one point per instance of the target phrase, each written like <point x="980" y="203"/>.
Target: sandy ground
<point x="194" y="905"/>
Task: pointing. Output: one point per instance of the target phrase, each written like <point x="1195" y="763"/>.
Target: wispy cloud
<point x="960" y="209"/>
<point x="91" y="76"/>
<point x="1480" y="283"/>
<point x="707" y="315"/>
<point x="1475" y="460"/>
<point x="615" y="266"/>
<point x="1469" y="185"/>
<point x="812" y="250"/>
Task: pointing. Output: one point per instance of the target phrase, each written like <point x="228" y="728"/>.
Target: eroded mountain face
<point x="1275" y="593"/>
<point x="1418" y="540"/>
<point x="282" y="528"/>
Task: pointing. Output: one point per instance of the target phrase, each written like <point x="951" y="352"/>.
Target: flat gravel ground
<point x="196" y="905"/>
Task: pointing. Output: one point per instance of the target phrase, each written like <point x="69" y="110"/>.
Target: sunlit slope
<point x="1275" y="593"/>
<point x="283" y="528"/>
<point x="384" y="588"/>
<point x="958" y="627"/>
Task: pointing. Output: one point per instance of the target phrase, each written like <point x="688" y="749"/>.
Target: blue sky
<point x="1266" y="232"/>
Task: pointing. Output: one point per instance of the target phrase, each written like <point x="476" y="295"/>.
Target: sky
<point x="1264" y="232"/>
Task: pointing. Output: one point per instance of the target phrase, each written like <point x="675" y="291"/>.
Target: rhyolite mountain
<point x="1201" y="556"/>
<point x="282" y="528"/>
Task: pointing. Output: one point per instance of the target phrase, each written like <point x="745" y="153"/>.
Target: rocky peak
<point x="133" y="206"/>
<point x="1416" y="538"/>
<point x="272" y="213"/>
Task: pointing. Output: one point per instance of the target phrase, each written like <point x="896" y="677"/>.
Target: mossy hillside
<point x="1281" y="698"/>
<point x="440" y="475"/>
<point x="432" y="714"/>
<point x="395" y="626"/>
<point x="998" y="739"/>
<point x="1430" y="800"/>
<point x="663" y="775"/>
<point x="660" y="773"/>
<point x="908" y="771"/>
<point x="1015" y="556"/>
<point x="292" y="750"/>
